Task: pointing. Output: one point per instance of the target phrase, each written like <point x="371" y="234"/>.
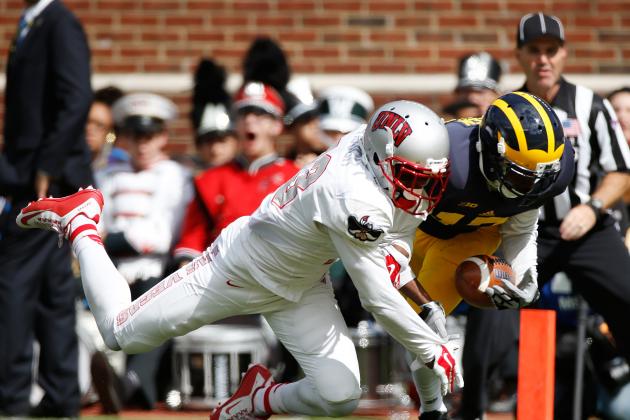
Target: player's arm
<point x="367" y="269"/>
<point x="518" y="247"/>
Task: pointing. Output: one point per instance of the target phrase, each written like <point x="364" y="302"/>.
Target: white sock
<point x="429" y="389"/>
<point x="106" y="290"/>
<point x="268" y="401"/>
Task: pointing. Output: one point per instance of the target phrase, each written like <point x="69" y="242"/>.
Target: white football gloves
<point x="510" y="296"/>
<point x="433" y="315"/>
<point x="444" y="367"/>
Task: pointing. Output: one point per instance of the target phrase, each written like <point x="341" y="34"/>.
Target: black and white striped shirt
<point x="591" y="125"/>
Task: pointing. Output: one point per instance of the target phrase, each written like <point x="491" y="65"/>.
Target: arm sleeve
<point x="70" y="67"/>
<point x="366" y="267"/>
<point x="518" y="243"/>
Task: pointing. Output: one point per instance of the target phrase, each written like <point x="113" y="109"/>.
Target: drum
<point x="208" y="363"/>
<point x="382" y="367"/>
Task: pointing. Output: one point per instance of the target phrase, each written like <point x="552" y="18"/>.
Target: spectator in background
<point x="343" y="109"/>
<point x="225" y="193"/>
<point x="302" y="124"/>
<point x="477" y="85"/>
<point x="576" y="233"/>
<point x="47" y="99"/>
<point x="99" y="131"/>
<point x="620" y="101"/>
<point x="215" y="140"/>
<point x="146" y="197"/>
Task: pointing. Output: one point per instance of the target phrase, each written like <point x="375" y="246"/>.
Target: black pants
<point x="37" y="301"/>
<point x="491" y="338"/>
<point x="598" y="265"/>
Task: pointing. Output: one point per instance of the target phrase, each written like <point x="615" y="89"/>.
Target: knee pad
<point x="339" y="387"/>
<point x="341" y="409"/>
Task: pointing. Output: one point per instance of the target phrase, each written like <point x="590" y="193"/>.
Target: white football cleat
<point x="240" y="406"/>
<point x="56" y="214"/>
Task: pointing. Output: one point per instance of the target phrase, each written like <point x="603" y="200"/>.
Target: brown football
<point x="476" y="273"/>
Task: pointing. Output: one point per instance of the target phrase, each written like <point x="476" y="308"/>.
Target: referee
<point x="576" y="234"/>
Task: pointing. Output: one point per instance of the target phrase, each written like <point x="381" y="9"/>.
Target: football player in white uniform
<point x="360" y="202"/>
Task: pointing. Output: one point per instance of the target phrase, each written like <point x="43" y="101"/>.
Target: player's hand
<point x="433" y="315"/>
<point x="445" y="368"/>
<point x="510" y="296"/>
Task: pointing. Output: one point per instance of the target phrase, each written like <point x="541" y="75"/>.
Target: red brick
<point x="343" y="37"/>
<point x="136" y="52"/>
<point x="250" y="6"/>
<point x="95" y="19"/>
<point x="412" y="21"/>
<point x="388" y="6"/>
<point x="305" y="5"/>
<point x="188" y="20"/>
<point x="343" y="6"/>
<point x="574" y="37"/>
<point x="101" y="35"/>
<point x="297" y="36"/>
<point x="474" y="6"/>
<point x="327" y="20"/>
<point x="601" y="54"/>
<point x="622" y="37"/>
<point x="413" y="53"/>
<point x="205" y="36"/>
<point x="143" y="19"/>
<point x="159" y="5"/>
<point x="398" y="36"/>
<point x="226" y="20"/>
<point x="572" y="6"/>
<point x="207" y="5"/>
<point x="429" y="67"/>
<point x="275" y="21"/>
<point x="162" y="67"/>
<point x="481" y="38"/>
<point x="427" y="5"/>
<point x="303" y="67"/>
<point x="574" y="67"/>
<point x="122" y="5"/>
<point x="387" y="68"/>
<point x="377" y="53"/>
<point x="342" y="68"/>
<point x="117" y="67"/>
<point x="227" y="52"/>
<point x="320" y="52"/>
<point x="528" y="7"/>
<point x="446" y="37"/>
<point x="462" y="20"/>
<point x="77" y="5"/>
<point x="594" y="21"/>
<point x="613" y="6"/>
<point x="160" y="36"/>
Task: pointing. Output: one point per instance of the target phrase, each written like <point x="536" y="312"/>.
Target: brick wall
<point x="332" y="36"/>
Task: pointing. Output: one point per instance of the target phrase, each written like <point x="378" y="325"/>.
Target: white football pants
<point x="312" y="329"/>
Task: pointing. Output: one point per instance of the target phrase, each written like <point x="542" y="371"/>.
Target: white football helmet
<point x="407" y="147"/>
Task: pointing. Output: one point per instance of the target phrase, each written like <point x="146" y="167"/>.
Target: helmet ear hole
<point x="375" y="158"/>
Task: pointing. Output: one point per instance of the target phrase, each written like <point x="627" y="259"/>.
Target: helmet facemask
<point x="414" y="188"/>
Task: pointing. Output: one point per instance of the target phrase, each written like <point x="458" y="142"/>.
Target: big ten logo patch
<point x="398" y="125"/>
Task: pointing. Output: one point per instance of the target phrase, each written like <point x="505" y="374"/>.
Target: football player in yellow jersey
<point x="503" y="167"/>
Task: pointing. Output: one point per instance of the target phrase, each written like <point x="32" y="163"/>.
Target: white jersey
<point x="148" y="207"/>
<point x="333" y="208"/>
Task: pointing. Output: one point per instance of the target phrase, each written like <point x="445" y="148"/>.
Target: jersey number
<point x="307" y="176"/>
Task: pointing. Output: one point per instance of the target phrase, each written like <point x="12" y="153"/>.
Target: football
<point x="476" y="273"/>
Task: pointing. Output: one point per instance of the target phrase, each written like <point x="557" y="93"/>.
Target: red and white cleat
<point x="56" y="214"/>
<point x="240" y="406"/>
